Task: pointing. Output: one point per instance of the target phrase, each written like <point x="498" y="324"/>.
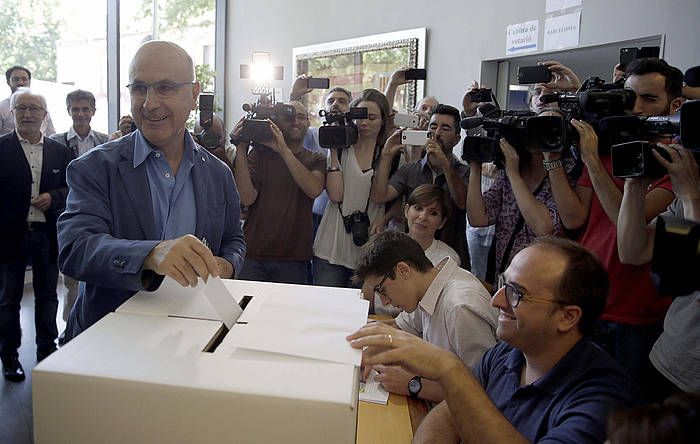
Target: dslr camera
<point x="256" y="128"/>
<point x="339" y="129"/>
<point x="357" y="223"/>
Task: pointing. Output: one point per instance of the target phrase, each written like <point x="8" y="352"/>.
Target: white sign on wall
<point x="558" y="5"/>
<point x="562" y="31"/>
<point x="522" y="37"/>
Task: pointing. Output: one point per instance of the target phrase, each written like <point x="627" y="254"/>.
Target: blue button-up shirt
<point x="172" y="195"/>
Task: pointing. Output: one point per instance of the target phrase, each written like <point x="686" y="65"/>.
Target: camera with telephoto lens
<point x="339" y="129"/>
<point x="256" y="128"/>
<point x="357" y="223"/>
<point x="207" y="138"/>
<point x="631" y="149"/>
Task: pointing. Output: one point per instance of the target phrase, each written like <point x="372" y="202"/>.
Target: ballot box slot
<point x="216" y="339"/>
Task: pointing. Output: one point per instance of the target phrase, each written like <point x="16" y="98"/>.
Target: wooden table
<point x="395" y="422"/>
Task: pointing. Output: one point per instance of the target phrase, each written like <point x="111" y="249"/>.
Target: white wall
<point x="461" y="33"/>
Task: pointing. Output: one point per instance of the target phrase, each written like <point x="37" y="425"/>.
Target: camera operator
<point x="278" y="182"/>
<point x="632" y="319"/>
<point x="439" y="166"/>
<point x="675" y="355"/>
<point x="347" y="218"/>
<point x="223" y="150"/>
<point x="519" y="203"/>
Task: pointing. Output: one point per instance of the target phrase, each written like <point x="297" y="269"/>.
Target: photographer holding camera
<point x="632" y="319"/>
<point x="215" y="141"/>
<point x="519" y="203"/>
<point x="278" y="181"/>
<point x="675" y="354"/>
<point x="347" y="218"/>
<point x="439" y="166"/>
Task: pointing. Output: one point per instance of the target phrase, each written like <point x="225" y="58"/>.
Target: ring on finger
<point x="391" y="340"/>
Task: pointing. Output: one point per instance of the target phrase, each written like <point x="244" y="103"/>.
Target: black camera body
<point x="357" y="223"/>
<point x="635" y="159"/>
<point x="339" y="129"/>
<point x="256" y="128"/>
<point x="522" y="129"/>
<point x="629" y="137"/>
<point x="207" y="138"/>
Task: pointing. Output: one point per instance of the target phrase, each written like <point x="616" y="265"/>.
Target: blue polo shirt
<point x="172" y="195"/>
<point x="570" y="404"/>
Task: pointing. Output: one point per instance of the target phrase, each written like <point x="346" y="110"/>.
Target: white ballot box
<point x="164" y="369"/>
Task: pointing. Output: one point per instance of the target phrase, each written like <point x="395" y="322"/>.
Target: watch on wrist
<point x="414" y="386"/>
<point x="550" y="165"/>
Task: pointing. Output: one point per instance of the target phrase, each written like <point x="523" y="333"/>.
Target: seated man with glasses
<point x="546" y="380"/>
<point x="149" y="204"/>
<point x="445" y="305"/>
<point x="278" y="182"/>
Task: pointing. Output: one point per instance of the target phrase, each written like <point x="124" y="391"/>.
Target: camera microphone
<point x="471" y="122"/>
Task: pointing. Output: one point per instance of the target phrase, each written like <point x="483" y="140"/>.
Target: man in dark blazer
<point x="152" y="203"/>
<point x="33" y="190"/>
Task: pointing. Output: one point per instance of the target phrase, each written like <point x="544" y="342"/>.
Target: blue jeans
<point x="630" y="345"/>
<point x="288" y="272"/>
<point x="330" y="275"/>
<point x="36" y="246"/>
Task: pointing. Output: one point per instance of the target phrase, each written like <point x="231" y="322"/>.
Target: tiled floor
<point x="16" y="397"/>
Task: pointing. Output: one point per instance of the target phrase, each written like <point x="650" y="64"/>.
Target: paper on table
<point x="373" y="391"/>
<point x="222" y="301"/>
<point x="309" y="328"/>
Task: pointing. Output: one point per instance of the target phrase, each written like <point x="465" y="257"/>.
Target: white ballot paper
<point x="373" y="391"/>
<point x="310" y="326"/>
<point x="222" y="301"/>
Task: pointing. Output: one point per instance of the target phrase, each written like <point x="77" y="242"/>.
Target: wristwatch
<point x="550" y="165"/>
<point x="414" y="386"/>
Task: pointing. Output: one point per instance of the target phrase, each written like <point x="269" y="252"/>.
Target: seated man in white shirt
<point x="445" y="305"/>
<point x="79" y="139"/>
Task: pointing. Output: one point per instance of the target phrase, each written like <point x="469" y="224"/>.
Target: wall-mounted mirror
<point x="365" y="62"/>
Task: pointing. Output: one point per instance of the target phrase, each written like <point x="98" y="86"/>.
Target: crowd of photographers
<point x="591" y="161"/>
<point x="611" y="166"/>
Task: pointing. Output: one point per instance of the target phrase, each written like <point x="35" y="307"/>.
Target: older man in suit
<point x="33" y="190"/>
<point x="152" y="203"/>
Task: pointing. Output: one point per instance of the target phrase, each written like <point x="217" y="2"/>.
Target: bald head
<point x="167" y="55"/>
<point x="163" y="92"/>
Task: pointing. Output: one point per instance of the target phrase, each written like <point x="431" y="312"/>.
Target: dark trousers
<point x="36" y="246"/>
<point x="630" y="345"/>
<point x="289" y="272"/>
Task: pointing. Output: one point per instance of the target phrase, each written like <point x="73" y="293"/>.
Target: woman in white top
<point x="348" y="182"/>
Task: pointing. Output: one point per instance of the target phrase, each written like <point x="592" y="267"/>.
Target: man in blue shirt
<point x="151" y="204"/>
<point x="546" y="382"/>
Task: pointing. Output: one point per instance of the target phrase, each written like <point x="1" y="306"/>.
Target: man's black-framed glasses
<point x="379" y="290"/>
<point x="514" y="294"/>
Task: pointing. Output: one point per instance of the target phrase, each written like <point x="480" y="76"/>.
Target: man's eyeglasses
<point x="514" y="295"/>
<point x="379" y="290"/>
<point x="21" y="109"/>
<point x="164" y="88"/>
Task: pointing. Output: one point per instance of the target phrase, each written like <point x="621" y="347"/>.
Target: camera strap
<point x="518" y="227"/>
